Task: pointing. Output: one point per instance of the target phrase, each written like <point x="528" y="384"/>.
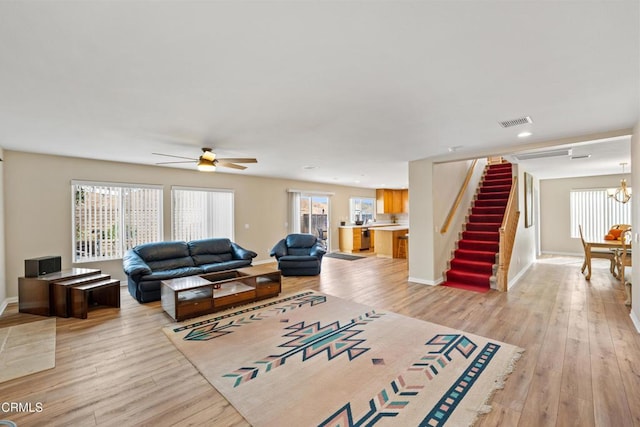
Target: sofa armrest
<point x="318" y="250"/>
<point x="134" y="266"/>
<point x="279" y="250"/>
<point x="241" y="253"/>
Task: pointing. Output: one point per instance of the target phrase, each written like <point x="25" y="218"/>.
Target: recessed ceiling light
<point x="455" y="148"/>
<point x="524" y="134"/>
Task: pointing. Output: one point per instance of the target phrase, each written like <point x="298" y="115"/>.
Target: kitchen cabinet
<point x="350" y="239"/>
<point x="392" y="201"/>
<point x="387" y="241"/>
<point x="405" y="200"/>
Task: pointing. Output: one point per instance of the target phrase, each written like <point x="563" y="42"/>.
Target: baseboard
<point x="573" y="254"/>
<point x="635" y="320"/>
<point x="518" y="276"/>
<point x="6" y="302"/>
<point x="425" y="282"/>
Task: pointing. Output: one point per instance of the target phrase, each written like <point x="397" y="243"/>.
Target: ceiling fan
<point x="207" y="162"/>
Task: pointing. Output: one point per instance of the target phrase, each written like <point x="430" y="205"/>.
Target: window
<point x="362" y="209"/>
<point x="596" y="213"/>
<point x="314" y="215"/>
<point x="109" y="218"/>
<point x="199" y="213"/>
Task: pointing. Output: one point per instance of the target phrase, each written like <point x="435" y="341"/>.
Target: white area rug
<point x="27" y="349"/>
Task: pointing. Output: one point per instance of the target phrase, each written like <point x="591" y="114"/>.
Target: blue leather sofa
<point x="299" y="255"/>
<point x="148" y="264"/>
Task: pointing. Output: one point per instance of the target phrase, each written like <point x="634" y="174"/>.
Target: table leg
<point x="627" y="289"/>
<point x="588" y="261"/>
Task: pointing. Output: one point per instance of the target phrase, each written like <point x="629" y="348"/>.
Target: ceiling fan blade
<point x="230" y="165"/>
<point x="238" y="160"/>
<point x="177" y="157"/>
<point x="168" y="163"/>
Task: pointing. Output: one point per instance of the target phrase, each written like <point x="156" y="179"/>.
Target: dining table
<point x="613" y="245"/>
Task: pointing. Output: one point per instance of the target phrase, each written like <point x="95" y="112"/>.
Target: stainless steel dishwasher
<point x="365" y="239"/>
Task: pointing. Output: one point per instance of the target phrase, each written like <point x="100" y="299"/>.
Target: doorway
<point x="314" y="216"/>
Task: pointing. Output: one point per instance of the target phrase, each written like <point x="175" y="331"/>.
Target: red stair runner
<point x="472" y="265"/>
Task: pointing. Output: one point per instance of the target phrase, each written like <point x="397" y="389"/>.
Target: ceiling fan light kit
<point x="205" y="165"/>
<point x="207" y="162"/>
<point x="623" y="193"/>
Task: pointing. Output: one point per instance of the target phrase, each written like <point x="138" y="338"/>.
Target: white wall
<point x="37" y="196"/>
<point x="447" y="180"/>
<point x="635" y="183"/>
<point x="3" y="276"/>
<point x="421" y="222"/>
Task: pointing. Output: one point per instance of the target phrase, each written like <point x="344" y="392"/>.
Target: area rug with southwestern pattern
<point x="314" y="359"/>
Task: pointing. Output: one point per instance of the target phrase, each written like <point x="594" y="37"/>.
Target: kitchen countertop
<point x="374" y="225"/>
<point x="394" y="228"/>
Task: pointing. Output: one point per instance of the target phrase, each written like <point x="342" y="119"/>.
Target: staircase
<point x="474" y="260"/>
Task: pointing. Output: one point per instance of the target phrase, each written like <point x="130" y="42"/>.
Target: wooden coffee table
<point x="193" y="296"/>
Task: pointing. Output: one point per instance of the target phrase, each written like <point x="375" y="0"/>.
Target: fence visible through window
<point x="108" y="219"/>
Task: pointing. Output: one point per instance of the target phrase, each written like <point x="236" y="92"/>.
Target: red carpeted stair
<point x="472" y="265"/>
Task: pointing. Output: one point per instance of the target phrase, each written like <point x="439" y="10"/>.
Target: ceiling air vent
<point x="516" y="122"/>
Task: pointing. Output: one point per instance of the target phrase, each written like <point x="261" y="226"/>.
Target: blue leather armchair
<point x="299" y="255"/>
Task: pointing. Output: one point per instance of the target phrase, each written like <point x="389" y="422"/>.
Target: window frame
<point x="174" y="188"/>
<point x="352" y="207"/>
<point x="596" y="220"/>
<point x="120" y="219"/>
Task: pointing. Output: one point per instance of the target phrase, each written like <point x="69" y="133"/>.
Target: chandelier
<point x="621" y="194"/>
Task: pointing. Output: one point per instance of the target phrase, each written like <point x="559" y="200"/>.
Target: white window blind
<point x="109" y="218"/>
<point x="199" y="213"/>
<point x="596" y="212"/>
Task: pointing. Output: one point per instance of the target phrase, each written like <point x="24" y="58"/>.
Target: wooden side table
<point x="36" y="294"/>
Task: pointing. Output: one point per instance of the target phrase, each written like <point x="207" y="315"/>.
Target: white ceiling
<point x="339" y="92"/>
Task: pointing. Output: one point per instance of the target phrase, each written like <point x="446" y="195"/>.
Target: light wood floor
<point x="581" y="366"/>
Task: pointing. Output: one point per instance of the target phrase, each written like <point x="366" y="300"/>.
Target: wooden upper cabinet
<point x="405" y="200"/>
<point x="392" y="201"/>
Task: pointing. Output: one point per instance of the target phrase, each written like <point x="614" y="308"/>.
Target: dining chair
<point x="589" y="254"/>
<point x="623" y="227"/>
<point x="624" y="260"/>
<point x="624" y="257"/>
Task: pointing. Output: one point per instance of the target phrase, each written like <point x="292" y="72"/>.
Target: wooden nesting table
<point x="67" y="293"/>
<point x="193" y="296"/>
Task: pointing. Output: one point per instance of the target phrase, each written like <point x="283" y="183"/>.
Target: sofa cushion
<point x="172" y="273"/>
<point x="209" y="251"/>
<point x="158" y="251"/>
<point x="171" y="264"/>
<point x="294" y="241"/>
<point x="293" y="261"/>
<point x="227" y="265"/>
<point x="298" y="252"/>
